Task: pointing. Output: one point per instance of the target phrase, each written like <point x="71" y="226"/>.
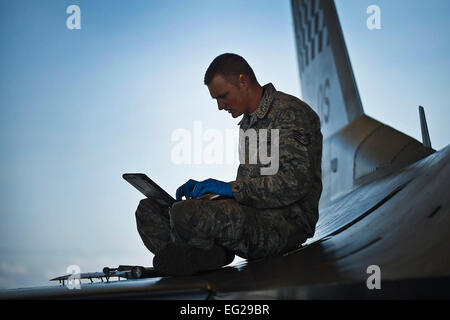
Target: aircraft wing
<point x="398" y="223"/>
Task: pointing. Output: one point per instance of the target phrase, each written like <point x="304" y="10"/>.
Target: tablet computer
<point x="149" y="188"/>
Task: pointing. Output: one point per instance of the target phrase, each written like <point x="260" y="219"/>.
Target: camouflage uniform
<point x="270" y="214"/>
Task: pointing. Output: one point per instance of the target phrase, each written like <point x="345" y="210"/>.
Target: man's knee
<point x="146" y="208"/>
<point x="138" y="212"/>
<point x="141" y="208"/>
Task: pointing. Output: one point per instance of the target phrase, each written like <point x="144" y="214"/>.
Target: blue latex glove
<point x="212" y="186"/>
<point x="186" y="189"/>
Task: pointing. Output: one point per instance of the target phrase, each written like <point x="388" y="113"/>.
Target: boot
<point x="182" y="260"/>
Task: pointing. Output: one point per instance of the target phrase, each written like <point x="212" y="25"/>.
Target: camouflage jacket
<point x="295" y="189"/>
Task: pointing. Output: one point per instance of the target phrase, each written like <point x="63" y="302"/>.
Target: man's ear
<point x="243" y="81"/>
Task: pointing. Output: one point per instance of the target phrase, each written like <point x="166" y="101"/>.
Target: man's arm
<point x="294" y="177"/>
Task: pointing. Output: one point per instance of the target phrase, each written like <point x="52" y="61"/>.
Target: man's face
<point x="230" y="97"/>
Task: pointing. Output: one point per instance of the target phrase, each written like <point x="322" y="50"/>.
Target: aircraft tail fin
<point x="327" y="80"/>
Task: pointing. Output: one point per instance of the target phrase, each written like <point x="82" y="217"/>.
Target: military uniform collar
<point x="264" y="105"/>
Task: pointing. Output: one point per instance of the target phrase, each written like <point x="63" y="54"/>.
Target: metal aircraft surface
<point x="384" y="209"/>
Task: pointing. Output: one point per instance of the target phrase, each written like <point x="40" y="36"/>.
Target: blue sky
<point x="80" y="107"/>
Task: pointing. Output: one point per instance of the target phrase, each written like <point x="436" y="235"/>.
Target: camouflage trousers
<point x="245" y="231"/>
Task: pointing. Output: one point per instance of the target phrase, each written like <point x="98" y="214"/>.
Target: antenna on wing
<point x="423" y="125"/>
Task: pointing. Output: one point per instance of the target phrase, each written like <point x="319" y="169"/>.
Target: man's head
<point x="232" y="82"/>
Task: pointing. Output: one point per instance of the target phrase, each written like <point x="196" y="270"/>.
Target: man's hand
<point x="212" y="186"/>
<point x="194" y="189"/>
<point x="186" y="189"/>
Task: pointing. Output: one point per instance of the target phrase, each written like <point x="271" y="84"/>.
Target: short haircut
<point x="230" y="66"/>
